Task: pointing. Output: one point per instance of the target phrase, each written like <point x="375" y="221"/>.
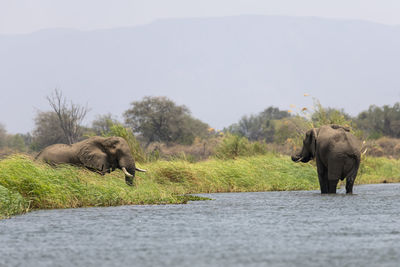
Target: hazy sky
<point x="26" y="16"/>
<point x="23" y="16"/>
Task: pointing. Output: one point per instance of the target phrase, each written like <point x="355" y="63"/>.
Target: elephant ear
<point x="313" y="142"/>
<point x="92" y="156"/>
<point x="110" y="143"/>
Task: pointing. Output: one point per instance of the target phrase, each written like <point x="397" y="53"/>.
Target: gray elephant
<point x="98" y="154"/>
<point x="337" y="154"/>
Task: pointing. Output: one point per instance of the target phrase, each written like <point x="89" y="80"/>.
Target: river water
<point x="300" y="228"/>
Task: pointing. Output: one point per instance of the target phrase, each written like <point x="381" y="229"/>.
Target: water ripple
<point x="237" y="229"/>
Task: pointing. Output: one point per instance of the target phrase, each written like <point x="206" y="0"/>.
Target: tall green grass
<point x="378" y="170"/>
<point x="259" y="173"/>
<point x="26" y="184"/>
<point x="11" y="203"/>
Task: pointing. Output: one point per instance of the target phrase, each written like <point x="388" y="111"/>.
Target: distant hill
<point x="221" y="68"/>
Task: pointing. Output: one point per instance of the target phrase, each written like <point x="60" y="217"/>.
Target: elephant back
<point x="57" y="153"/>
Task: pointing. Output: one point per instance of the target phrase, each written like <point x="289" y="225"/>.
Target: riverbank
<point x="27" y="185"/>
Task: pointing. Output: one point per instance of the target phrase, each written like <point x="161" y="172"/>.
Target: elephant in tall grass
<point x="98" y="154"/>
<point x="337" y="154"/>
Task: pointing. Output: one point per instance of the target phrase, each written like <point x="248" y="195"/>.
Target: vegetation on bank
<point x="26" y="185"/>
<point x="183" y="155"/>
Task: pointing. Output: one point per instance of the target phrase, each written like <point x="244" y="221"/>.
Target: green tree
<point x="379" y="121"/>
<point x="103" y="123"/>
<point x="17" y="142"/>
<point x="323" y="116"/>
<point x="258" y="127"/>
<point x="291" y="128"/>
<point x="159" y="119"/>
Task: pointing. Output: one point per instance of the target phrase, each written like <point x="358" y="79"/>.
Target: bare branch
<point x="70" y="118"/>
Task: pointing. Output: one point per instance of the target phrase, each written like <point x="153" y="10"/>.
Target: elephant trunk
<point x="128" y="167"/>
<point x="298" y="155"/>
<point x="129" y="178"/>
<point x="303" y="156"/>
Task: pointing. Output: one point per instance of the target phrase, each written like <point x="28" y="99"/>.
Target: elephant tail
<point x="38" y="155"/>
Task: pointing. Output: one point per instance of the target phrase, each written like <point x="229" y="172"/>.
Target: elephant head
<point x="108" y="154"/>
<point x="307" y="152"/>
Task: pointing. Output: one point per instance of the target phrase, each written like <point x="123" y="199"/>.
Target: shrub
<point x="201" y="149"/>
<point x="233" y="146"/>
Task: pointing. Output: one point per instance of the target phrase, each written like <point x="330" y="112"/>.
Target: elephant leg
<point x="349" y="185"/>
<point x="352" y="177"/>
<point x="322" y="177"/>
<point x="333" y="179"/>
<point x="332" y="186"/>
<point x="323" y="183"/>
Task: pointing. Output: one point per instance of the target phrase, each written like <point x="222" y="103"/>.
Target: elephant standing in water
<point x="99" y="154"/>
<point x="337" y="154"/>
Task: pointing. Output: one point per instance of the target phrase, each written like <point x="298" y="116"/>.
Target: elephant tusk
<point x="299" y="159"/>
<point x="127" y="173"/>
<point x="140" y="170"/>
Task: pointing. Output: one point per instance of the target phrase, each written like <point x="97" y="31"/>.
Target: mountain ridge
<point x="221" y="68"/>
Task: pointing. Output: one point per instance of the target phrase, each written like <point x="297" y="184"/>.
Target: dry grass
<point x="383" y="147"/>
<point x="5" y="152"/>
<point x="201" y="149"/>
